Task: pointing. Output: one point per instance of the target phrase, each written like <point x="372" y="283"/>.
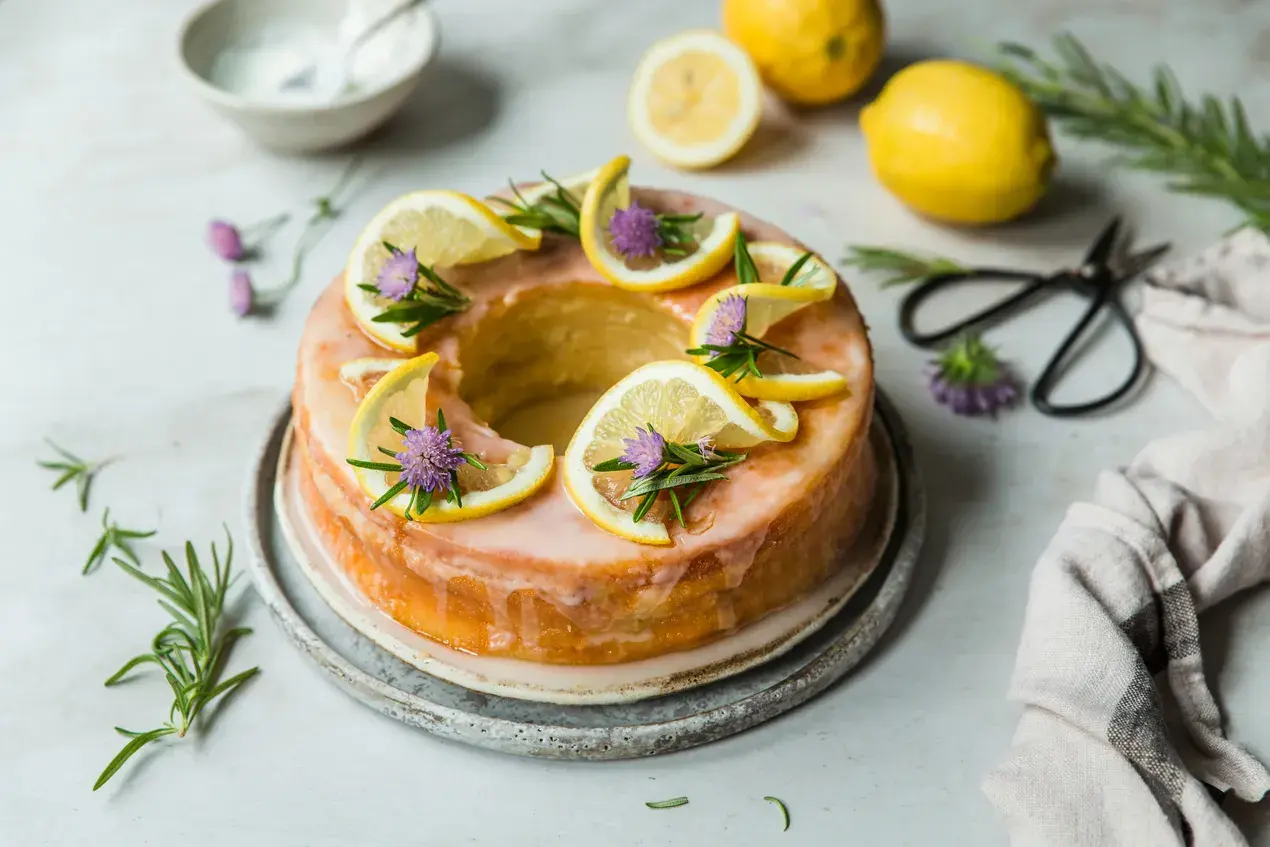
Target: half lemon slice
<point x="695" y="100"/>
<point x="785" y="378"/>
<point x="611" y="191"/>
<point x="402" y="393"/>
<point x="684" y="403"/>
<point x="444" y="228"/>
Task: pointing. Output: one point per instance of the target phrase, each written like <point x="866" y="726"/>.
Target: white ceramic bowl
<point x="389" y="67"/>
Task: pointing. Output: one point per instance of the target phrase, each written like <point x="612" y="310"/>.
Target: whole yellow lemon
<point x="958" y="143"/>
<point x="810" y="52"/>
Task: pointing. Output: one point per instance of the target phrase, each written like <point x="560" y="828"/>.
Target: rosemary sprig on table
<point x="114" y="537"/>
<point x="190" y="650"/>
<point x="72" y="467"/>
<point x="1207" y="148"/>
<point x="427" y="299"/>
<point x="662" y="465"/>
<point x="428" y="463"/>
<point x="901" y="267"/>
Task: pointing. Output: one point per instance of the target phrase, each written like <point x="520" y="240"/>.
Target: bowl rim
<point x="238" y="102"/>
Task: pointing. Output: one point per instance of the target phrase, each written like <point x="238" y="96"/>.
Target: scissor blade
<point x="1101" y="252"/>
<point x="1135" y="263"/>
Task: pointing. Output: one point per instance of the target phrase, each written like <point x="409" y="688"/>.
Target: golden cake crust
<point x="539" y="581"/>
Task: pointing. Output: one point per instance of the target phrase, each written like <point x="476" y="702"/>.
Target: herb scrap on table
<point x="1206" y="147"/>
<point x="970" y="379"/>
<point x="114" y="537"/>
<point x="191" y="650"/>
<point x="72" y="467"/>
<point x="901" y="267"/>
<point x="420" y="296"/>
<point x="662" y="465"/>
<point x="784" y="811"/>
<point x="672" y="803"/>
<point x="427" y="463"/>
<point x="732" y="350"/>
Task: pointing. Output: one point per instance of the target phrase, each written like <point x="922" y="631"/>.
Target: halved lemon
<point x="610" y="191"/>
<point x="402" y="393"/>
<point x="683" y="402"/>
<point x="444" y="228"/>
<point x="695" y="100"/>
<point x="784" y="377"/>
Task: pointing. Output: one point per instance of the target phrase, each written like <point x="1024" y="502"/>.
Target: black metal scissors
<point x="1104" y="269"/>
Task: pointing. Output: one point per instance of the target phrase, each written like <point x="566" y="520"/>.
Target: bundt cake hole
<point x="536" y="363"/>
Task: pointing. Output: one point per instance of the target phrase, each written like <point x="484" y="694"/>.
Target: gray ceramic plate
<point x="685" y="718"/>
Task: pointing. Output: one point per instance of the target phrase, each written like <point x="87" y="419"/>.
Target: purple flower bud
<point x="634" y="231"/>
<point x="241" y="295"/>
<point x="225" y="240"/>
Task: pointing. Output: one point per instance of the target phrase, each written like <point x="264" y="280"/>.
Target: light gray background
<point x="116" y="339"/>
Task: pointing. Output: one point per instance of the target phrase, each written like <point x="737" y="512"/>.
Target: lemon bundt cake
<point x="565" y="445"/>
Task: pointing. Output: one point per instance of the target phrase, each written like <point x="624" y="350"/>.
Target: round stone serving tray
<point x="711" y="693"/>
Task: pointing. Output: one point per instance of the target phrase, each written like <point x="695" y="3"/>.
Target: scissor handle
<point x="915" y="297"/>
<point x="1052" y="375"/>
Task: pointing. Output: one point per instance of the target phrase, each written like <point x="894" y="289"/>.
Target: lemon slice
<point x="695" y="100"/>
<point x="784" y="377"/>
<point x="360" y="375"/>
<point x="773" y="259"/>
<point x="684" y="402"/>
<point x="444" y="228"/>
<point x="402" y="393"/>
<point x="610" y="191"/>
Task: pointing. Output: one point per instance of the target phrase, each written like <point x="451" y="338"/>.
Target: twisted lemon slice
<point x="684" y="403"/>
<point x="610" y="191"/>
<point x="444" y="228"/>
<point x="402" y="394"/>
<point x="784" y="378"/>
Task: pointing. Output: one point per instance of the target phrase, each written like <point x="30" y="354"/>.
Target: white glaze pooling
<point x="595" y="684"/>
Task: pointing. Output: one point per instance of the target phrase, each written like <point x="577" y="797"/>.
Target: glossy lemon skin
<point x="810" y="52"/>
<point x="958" y="143"/>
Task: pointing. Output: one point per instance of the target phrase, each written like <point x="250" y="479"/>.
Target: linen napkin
<point x="1111" y="628"/>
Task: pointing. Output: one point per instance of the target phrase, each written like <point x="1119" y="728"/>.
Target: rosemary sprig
<point x="901" y="267"/>
<point x="324" y="211"/>
<point x="1206" y="148"/>
<point x="667" y="804"/>
<point x="676" y="237"/>
<point x="190" y="650"/>
<point x="114" y="537"/>
<point x="447" y="459"/>
<point x="784" y="811"/>
<point x="730" y="349"/>
<point x="72" y="467"/>
<point x="556" y="211"/>
<point x="430" y="300"/>
<point x="677" y="466"/>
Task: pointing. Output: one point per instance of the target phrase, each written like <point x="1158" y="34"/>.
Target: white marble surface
<point x="117" y="340"/>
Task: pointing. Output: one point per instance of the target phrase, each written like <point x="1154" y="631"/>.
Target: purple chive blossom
<point x="970" y="380"/>
<point x="428" y="458"/>
<point x="399" y="274"/>
<point x="225" y="240"/>
<point x="241" y="295"/>
<point x="729" y="320"/>
<point x="645" y="451"/>
<point x="706" y="445"/>
<point x="634" y="231"/>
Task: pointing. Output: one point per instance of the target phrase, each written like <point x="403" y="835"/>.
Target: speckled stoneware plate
<point x="636" y="709"/>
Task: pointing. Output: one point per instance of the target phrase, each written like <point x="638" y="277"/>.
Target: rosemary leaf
<point x="784" y="811"/>
<point x="71" y="467"/>
<point x="902" y="267"/>
<point x="668" y="804"/>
